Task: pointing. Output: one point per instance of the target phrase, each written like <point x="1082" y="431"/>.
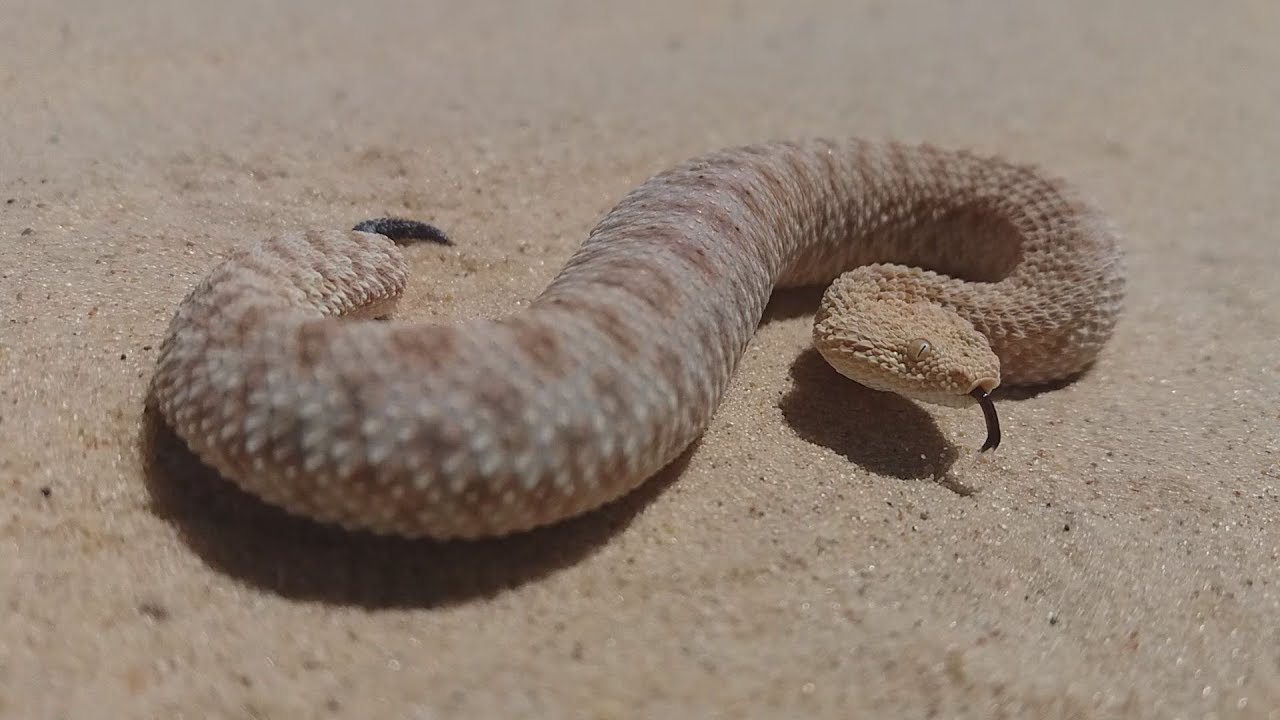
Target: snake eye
<point x="919" y="349"/>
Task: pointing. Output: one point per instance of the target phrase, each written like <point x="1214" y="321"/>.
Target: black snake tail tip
<point x="400" y="230"/>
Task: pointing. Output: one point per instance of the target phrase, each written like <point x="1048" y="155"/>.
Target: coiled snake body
<point x="1000" y="274"/>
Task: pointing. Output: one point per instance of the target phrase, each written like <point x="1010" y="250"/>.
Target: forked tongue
<point x="989" y="412"/>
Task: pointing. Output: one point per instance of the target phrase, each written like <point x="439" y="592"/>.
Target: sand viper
<point x="963" y="272"/>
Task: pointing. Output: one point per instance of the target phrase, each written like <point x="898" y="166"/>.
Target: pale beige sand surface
<point x="824" y="551"/>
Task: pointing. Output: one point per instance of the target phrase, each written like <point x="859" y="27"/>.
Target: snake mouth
<point x="993" y="421"/>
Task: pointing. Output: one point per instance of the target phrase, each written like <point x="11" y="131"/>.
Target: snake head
<point x="918" y="349"/>
<point x="921" y="350"/>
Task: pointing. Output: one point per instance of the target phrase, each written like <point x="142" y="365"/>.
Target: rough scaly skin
<point x="492" y="426"/>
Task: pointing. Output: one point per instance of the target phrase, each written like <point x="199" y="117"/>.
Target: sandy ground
<point x="1116" y="558"/>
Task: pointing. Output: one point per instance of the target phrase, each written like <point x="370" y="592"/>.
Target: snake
<point x="947" y="273"/>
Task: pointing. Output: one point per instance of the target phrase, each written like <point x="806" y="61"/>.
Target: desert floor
<point x="824" y="551"/>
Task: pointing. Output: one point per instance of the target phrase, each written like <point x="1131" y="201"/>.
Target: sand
<point x="824" y="551"/>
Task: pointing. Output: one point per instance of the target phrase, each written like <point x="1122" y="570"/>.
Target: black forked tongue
<point x="400" y="230"/>
<point x="989" y="412"/>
